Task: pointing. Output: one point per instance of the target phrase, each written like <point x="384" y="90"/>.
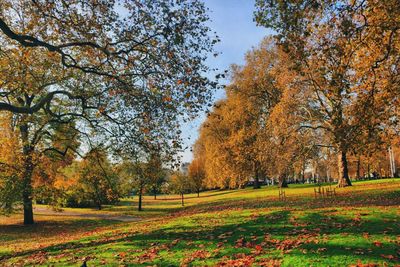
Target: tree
<point x="89" y="182"/>
<point x="346" y="54"/>
<point x="255" y="95"/>
<point x="197" y="175"/>
<point x="231" y="134"/>
<point x="180" y="184"/>
<point x="51" y="161"/>
<point x="86" y="63"/>
<point x="257" y="130"/>
<point x="10" y="165"/>
<point x="142" y="163"/>
<point x="155" y="173"/>
<point x="133" y="174"/>
<point x="98" y="179"/>
<point x="223" y="165"/>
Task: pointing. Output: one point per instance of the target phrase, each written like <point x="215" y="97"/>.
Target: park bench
<point x="319" y="191"/>
<point x="330" y="191"/>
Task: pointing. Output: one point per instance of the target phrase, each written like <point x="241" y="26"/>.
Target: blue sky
<point x="233" y="22"/>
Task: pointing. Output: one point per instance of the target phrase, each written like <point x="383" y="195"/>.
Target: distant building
<point x="185" y="168"/>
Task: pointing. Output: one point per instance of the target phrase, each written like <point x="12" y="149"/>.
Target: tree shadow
<point x="301" y="202"/>
<point x="181" y="240"/>
<point x="278" y="223"/>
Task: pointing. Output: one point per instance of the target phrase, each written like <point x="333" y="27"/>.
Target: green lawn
<point x="222" y="228"/>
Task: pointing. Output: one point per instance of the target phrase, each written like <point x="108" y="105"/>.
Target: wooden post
<point x="282" y="195"/>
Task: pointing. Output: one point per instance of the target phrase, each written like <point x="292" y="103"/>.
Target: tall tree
<point x="180" y="184"/>
<point x="258" y="130"/>
<point x="155" y="172"/>
<point x="347" y="54"/>
<point x="86" y="61"/>
<point x="197" y="175"/>
<point x="231" y="135"/>
<point x="10" y="165"/>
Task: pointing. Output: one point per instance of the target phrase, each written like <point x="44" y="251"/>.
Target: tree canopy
<point x="106" y="69"/>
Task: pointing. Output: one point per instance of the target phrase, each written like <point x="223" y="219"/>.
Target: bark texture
<point x="344" y="179"/>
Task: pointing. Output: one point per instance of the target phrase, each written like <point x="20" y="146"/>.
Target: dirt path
<point x="105" y="216"/>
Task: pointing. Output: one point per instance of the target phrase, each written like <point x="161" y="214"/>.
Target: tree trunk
<point x="256" y="176"/>
<point x="155" y="193"/>
<point x="140" y="198"/>
<point x="27" y="196"/>
<point x="358" y="168"/>
<point x="256" y="183"/>
<point x="27" y="190"/>
<point x="282" y="181"/>
<point x="183" y="204"/>
<point x="198" y="192"/>
<point x="344" y="179"/>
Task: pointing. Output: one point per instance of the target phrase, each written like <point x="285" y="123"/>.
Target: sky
<point x="233" y="22"/>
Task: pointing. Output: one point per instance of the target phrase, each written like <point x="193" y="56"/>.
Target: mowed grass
<point x="221" y="228"/>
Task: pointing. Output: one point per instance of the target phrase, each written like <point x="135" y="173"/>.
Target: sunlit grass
<point x="221" y="227"/>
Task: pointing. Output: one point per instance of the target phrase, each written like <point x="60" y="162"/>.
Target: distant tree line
<point x="321" y="95"/>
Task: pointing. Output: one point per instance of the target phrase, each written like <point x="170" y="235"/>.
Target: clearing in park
<point x="357" y="227"/>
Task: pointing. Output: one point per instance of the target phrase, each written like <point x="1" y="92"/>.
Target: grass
<point x="246" y="227"/>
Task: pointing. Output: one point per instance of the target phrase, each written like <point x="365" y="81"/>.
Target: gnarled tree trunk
<point x="344" y="179"/>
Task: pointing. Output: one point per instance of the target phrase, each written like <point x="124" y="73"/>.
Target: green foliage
<point x="97" y="179"/>
<point x="155" y="173"/>
<point x="179" y="183"/>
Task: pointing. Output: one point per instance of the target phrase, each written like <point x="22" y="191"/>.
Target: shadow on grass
<point x="348" y="199"/>
<point x="46" y="229"/>
<point x="252" y="231"/>
<point x="277" y="223"/>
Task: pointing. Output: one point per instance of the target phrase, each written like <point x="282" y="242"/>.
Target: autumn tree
<point x="347" y="54"/>
<point x="10" y="165"/>
<point x="98" y="179"/>
<point x="132" y="172"/>
<point x="231" y="134"/>
<point x="220" y="168"/>
<point x="287" y="143"/>
<point x="254" y="85"/>
<point x="258" y="130"/>
<point x="82" y="62"/>
<point x="49" y="165"/>
<point x="197" y="168"/>
<point x="197" y="175"/>
<point x="180" y="184"/>
<point x="155" y="173"/>
<point x="145" y="156"/>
